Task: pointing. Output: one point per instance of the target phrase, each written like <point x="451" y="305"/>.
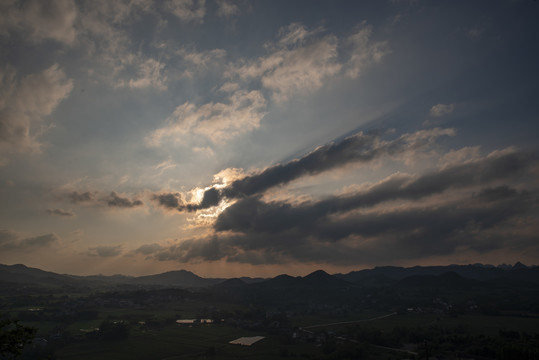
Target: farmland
<point x="319" y="316"/>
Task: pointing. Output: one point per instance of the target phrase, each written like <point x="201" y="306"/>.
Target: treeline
<point x="57" y="315"/>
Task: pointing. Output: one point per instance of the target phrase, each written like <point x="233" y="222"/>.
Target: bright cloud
<point x="227" y="8"/>
<point x="439" y="110"/>
<point x="187" y="10"/>
<point x="24" y="105"/>
<point x="363" y="51"/>
<point x="216" y="122"/>
<point x="150" y="74"/>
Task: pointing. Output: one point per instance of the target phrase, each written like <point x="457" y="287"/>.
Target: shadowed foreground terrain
<point x="443" y="312"/>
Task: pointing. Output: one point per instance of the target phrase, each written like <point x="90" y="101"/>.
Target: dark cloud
<point x="431" y="223"/>
<point x="361" y="147"/>
<point x="398" y="234"/>
<point x="10" y="240"/>
<point x="357" y="148"/>
<point x="75" y="197"/>
<point x="38" y="241"/>
<point x="349" y="229"/>
<point x="149" y="249"/>
<point x="94" y="198"/>
<point x="211" y="197"/>
<point x="168" y="200"/>
<point x="105" y="251"/>
<point x="114" y="200"/>
<point x="497" y="193"/>
<point x="60" y="212"/>
<point x="251" y="214"/>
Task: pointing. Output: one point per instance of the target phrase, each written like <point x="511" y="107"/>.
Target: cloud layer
<point x="461" y="207"/>
<point x="359" y="148"/>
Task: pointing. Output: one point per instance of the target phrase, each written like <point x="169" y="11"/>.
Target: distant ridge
<point x="322" y="278"/>
<point x="23" y="274"/>
<point x="318" y="275"/>
<point x="476" y="272"/>
<point x="182" y="278"/>
<point x="282" y="280"/>
<point x="461" y="275"/>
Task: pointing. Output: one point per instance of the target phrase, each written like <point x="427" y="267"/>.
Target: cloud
<point x="168" y="200"/>
<point x="229" y="87"/>
<point x="95" y="198"/>
<point x="39" y="241"/>
<point x="359" y="148"/>
<point x="298" y="63"/>
<point x="76" y="197"/>
<point x="105" y="251"/>
<point x="405" y="233"/>
<point x="114" y="200"/>
<point x="11" y="240"/>
<point x="211" y="198"/>
<point x="104" y="36"/>
<point x="458" y="208"/>
<point x="227" y="8"/>
<point x="149" y="249"/>
<point x="40" y="20"/>
<point x="23" y="106"/>
<point x="438" y="229"/>
<point x="216" y="122"/>
<point x="440" y="110"/>
<point x="300" y="60"/>
<point x="497" y="193"/>
<point x="150" y="74"/>
<point x="8" y="236"/>
<point x="460" y="156"/>
<point x="60" y="212"/>
<point x="164" y="166"/>
<point x="253" y="215"/>
<point x="302" y="69"/>
<point x="202" y="63"/>
<point x="295" y="34"/>
<point x="204" y="58"/>
<point x="363" y="51"/>
<point x="187" y="10"/>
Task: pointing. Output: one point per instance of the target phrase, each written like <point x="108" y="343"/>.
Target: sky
<point x="255" y="138"/>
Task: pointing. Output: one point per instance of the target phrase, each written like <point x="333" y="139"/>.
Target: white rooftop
<point x="247" y="341"/>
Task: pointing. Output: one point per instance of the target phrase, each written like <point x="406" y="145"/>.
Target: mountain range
<point x="17" y="275"/>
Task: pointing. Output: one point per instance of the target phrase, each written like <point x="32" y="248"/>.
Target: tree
<point x="13" y="337"/>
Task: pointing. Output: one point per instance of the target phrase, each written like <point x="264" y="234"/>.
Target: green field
<point x="472" y="323"/>
<point x="211" y="341"/>
<point x="141" y="324"/>
<point x="170" y="341"/>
